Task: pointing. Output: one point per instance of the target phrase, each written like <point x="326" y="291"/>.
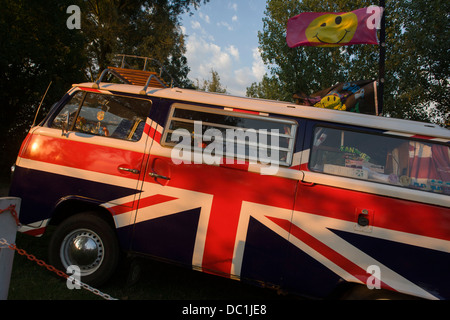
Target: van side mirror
<point x="65" y="125"/>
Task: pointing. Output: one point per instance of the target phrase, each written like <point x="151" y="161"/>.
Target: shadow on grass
<point x="136" y="279"/>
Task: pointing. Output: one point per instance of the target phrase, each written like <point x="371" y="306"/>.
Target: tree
<point x="420" y="61"/>
<point x="417" y="56"/>
<point x="136" y="27"/>
<point x="304" y="69"/>
<point x="268" y="88"/>
<point x="35" y="48"/>
<point x="212" y="85"/>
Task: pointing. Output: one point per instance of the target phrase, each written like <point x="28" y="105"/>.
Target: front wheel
<point x="89" y="242"/>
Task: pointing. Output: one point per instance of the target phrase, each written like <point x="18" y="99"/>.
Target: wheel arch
<point x="72" y="205"/>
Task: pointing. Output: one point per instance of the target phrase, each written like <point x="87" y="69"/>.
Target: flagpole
<point x="382" y="62"/>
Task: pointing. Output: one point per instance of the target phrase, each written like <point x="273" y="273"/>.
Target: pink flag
<point x="326" y="29"/>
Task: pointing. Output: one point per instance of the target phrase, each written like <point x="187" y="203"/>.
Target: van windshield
<point x="104" y="115"/>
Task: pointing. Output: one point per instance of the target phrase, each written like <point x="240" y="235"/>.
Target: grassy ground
<point x="157" y="281"/>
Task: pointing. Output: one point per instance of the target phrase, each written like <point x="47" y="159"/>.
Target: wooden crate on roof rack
<point x="138" y="77"/>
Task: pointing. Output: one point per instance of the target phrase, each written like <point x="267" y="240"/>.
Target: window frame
<point x="81" y="104"/>
<point x="215" y="110"/>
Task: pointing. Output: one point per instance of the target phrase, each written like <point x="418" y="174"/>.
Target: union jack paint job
<point x="297" y="229"/>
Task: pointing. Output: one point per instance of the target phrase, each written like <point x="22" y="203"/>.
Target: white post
<point x="8" y="231"/>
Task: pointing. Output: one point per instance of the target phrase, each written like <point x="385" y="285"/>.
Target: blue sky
<point x="223" y="35"/>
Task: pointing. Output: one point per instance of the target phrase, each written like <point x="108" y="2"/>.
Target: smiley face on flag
<point x="332" y="29"/>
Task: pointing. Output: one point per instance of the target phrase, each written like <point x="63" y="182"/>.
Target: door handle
<point x="157" y="176"/>
<point x="364" y="220"/>
<point x="134" y="171"/>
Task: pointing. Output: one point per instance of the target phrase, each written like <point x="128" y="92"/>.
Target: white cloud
<point x="205" y="17"/>
<point x="203" y="56"/>
<point x="234" y="52"/>
<point x="237" y="62"/>
<point x="244" y="77"/>
<point x="258" y="67"/>
<point x="196" y="25"/>
<point x="225" y="24"/>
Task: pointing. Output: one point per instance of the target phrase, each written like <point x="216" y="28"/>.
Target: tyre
<point x="360" y="292"/>
<point x="89" y="242"/>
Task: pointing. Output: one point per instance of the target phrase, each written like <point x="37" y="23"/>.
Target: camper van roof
<point x="263" y="106"/>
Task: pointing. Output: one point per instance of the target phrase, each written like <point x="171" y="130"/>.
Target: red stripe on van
<point x="85" y="156"/>
<point x="388" y="212"/>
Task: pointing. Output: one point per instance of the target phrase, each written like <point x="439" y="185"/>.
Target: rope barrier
<point x="4" y="244"/>
<point x="12" y="210"/>
<point x="41" y="263"/>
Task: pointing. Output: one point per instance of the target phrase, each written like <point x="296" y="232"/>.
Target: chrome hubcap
<point x="83" y="248"/>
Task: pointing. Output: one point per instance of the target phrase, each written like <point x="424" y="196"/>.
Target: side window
<point x="381" y="158"/>
<point x="105" y="115"/>
<point x="240" y="135"/>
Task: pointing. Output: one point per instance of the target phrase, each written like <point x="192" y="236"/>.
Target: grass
<point x="157" y="280"/>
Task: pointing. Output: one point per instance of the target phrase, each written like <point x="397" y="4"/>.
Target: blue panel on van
<point x="264" y="255"/>
<point x="170" y="237"/>
<point x="271" y="258"/>
<point x="427" y="268"/>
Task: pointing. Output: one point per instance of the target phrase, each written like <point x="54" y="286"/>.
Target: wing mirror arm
<point x="65" y="126"/>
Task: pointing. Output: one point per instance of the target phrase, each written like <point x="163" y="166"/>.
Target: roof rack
<point x="130" y="75"/>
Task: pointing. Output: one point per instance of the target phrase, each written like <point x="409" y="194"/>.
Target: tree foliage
<point x="136" y="27"/>
<point x="37" y="48"/>
<point x="417" y="57"/>
<point x="268" y="88"/>
<point x="421" y="72"/>
<point x="212" y="85"/>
